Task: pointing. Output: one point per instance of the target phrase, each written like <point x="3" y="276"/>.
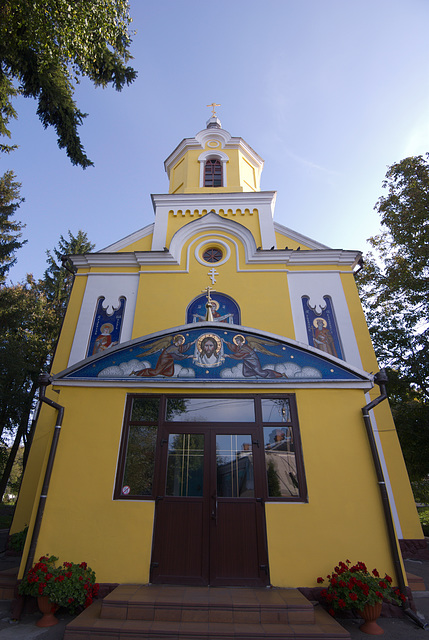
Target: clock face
<point x="212" y="254"/>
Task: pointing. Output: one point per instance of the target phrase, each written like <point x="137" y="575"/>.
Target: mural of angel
<point x="171" y="349"/>
<point x="246" y="351"/>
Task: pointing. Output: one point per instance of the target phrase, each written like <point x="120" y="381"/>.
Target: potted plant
<point x="71" y="586"/>
<point x="354" y="587"/>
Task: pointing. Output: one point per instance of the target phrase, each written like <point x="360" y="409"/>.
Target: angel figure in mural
<point x="105" y="339"/>
<point x="245" y="350"/>
<point x="171" y="349"/>
<point x="322" y="337"/>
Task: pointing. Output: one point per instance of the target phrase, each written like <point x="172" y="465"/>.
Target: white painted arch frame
<point x="213" y="154"/>
<point x="212" y="227"/>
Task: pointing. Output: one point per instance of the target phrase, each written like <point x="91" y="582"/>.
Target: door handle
<point x="214" y="510"/>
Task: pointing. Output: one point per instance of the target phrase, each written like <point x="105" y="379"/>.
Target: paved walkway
<point x="394" y="628"/>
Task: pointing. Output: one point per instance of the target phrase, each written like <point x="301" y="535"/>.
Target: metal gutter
<point x="44" y="380"/>
<point x="381" y="379"/>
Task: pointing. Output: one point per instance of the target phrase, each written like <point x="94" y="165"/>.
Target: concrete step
<point x="8" y="581"/>
<point x="164" y="612"/>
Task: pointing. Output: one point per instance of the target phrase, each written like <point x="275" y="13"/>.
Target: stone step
<point x="90" y="625"/>
<point x="205" y="604"/>
<point x="185" y="613"/>
<point x="8" y="581"/>
<point x="416" y="583"/>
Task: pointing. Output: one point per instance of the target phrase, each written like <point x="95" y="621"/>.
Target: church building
<point x="214" y="414"/>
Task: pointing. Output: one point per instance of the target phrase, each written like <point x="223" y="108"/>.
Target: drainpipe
<point x="44" y="380"/>
<point x="380" y="378"/>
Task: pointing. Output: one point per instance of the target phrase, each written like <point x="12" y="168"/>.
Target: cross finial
<point x="209" y="303"/>
<point x="213" y="105"/>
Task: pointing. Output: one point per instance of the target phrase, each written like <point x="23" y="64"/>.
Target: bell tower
<point x="213" y="162"/>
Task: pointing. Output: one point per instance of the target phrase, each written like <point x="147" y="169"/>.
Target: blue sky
<point x="328" y="92"/>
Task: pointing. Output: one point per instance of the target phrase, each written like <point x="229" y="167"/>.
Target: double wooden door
<point x="209" y="515"/>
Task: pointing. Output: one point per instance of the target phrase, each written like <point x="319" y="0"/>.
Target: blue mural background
<point x="322" y="328"/>
<point x="106" y="329"/>
<point x="212" y="353"/>
<point x="226" y="309"/>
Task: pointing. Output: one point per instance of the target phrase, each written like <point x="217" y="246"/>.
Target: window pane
<point x="139" y="462"/>
<point x="234" y="465"/>
<point x="213" y="410"/>
<point x="280" y="462"/>
<point x="185" y="465"/>
<point x="145" y="409"/>
<point x="275" y="410"/>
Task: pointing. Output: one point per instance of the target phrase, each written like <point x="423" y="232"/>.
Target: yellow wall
<point x="242" y="174"/>
<point x="343" y="518"/>
<point x="155" y="310"/>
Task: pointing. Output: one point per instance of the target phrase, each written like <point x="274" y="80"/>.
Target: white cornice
<point x="299" y="237"/>
<point x="226" y="141"/>
<point x="133" y="237"/>
<point x="287" y="258"/>
<point x="214" y="200"/>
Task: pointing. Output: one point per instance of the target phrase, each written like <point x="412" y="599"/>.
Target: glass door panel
<point x="185" y="465"/>
<point x="234" y="466"/>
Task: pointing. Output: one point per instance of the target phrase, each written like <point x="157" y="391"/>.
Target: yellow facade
<point x="337" y="513"/>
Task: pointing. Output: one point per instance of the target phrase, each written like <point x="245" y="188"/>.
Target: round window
<point x="212" y="254"/>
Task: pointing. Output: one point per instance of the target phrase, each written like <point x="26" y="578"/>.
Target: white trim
<point x="389" y="489"/>
<point x="162" y="384"/>
<point x="315" y="286"/>
<point x="213" y="154"/>
<point x="299" y="237"/>
<point x="111" y="288"/>
<point x="211" y="223"/>
<point x="125" y="242"/>
<point x="366" y="377"/>
<point x="216" y="241"/>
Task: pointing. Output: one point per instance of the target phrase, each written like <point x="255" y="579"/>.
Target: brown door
<point x="209" y="514"/>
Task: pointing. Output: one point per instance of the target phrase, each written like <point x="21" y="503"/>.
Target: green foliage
<point x="353" y="586"/>
<point x="421" y="490"/>
<point x="16" y="541"/>
<point x="58" y="278"/>
<point x="30" y="317"/>
<point x="71" y="586"/>
<point x="394" y="290"/>
<point x="10" y="231"/>
<point x="424" y="520"/>
<point x="46" y="45"/>
<point x="29" y="330"/>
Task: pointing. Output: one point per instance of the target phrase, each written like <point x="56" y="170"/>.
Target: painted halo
<point x="213" y="337"/>
<point x="316" y="320"/>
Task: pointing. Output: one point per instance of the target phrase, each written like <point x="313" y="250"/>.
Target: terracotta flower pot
<point x="48" y="609"/>
<point x="370" y="613"/>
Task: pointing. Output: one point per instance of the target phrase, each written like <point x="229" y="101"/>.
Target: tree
<point x="46" y="45"/>
<point x="394" y="289"/>
<point x="58" y="277"/>
<point x="30" y="316"/>
<point x="10" y="231"/>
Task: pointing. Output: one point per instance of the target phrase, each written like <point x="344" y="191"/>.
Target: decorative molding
<point x="133" y="237"/>
<point x="213" y="240"/>
<point x="299" y="237"/>
<point x="213" y="154"/>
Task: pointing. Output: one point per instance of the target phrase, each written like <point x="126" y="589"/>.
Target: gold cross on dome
<point x="213" y="105"/>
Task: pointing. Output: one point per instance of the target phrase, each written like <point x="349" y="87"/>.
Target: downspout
<point x="44" y="380"/>
<point x="380" y="378"/>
